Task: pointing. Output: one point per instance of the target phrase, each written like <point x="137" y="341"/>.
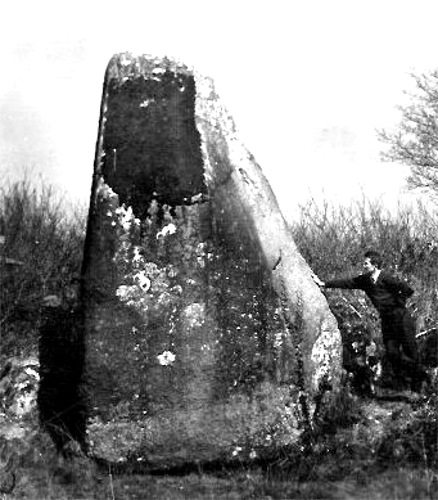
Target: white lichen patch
<point x="145" y="103"/>
<point x="166" y="358"/>
<point x="202" y="255"/>
<point x="197" y="198"/>
<point x="126" y="217"/>
<point x="24" y="403"/>
<point x="125" y="60"/>
<point x="106" y="192"/>
<point x="137" y="257"/>
<point x="32" y="373"/>
<point x="142" y="280"/>
<point x="194" y="315"/>
<point x="123" y="292"/>
<point x="278" y="340"/>
<point x="321" y="355"/>
<point x="167" y="230"/>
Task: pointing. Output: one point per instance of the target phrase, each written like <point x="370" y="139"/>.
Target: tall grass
<point x="45" y="232"/>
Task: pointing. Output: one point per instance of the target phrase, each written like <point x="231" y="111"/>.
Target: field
<point x="380" y="446"/>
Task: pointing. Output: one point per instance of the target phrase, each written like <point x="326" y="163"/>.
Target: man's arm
<point x="349" y="283"/>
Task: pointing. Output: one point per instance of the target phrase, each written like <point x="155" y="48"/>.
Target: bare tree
<point x="415" y="142"/>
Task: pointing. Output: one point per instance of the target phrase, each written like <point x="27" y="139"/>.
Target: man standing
<point x="388" y="294"/>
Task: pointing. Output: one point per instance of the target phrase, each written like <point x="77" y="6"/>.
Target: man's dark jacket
<point x="387" y="294"/>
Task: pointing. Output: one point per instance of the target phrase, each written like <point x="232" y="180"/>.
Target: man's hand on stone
<point x="320" y="283"/>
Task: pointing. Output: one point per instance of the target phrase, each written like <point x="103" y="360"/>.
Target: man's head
<point x="373" y="261"/>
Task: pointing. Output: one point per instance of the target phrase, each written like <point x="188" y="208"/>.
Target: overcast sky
<point x="307" y="82"/>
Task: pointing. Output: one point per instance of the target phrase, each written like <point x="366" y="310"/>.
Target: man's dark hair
<point x="375" y="258"/>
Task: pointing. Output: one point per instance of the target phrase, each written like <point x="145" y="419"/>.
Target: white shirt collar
<point x="375" y="275"/>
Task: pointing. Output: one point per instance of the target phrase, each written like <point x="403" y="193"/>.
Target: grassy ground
<point x="380" y="454"/>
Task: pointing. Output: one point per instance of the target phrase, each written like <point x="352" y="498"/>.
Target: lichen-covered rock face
<point x="205" y="336"/>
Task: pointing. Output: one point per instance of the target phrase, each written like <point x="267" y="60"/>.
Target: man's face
<point x="368" y="266"/>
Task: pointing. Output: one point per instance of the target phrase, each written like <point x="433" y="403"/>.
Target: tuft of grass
<point x="40" y="472"/>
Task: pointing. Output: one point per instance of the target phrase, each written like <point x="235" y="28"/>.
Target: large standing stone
<point x="205" y="336"/>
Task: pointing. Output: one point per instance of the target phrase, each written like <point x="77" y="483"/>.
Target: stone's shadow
<point x="61" y="356"/>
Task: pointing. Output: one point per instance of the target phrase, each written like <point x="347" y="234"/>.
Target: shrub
<point x="46" y="235"/>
